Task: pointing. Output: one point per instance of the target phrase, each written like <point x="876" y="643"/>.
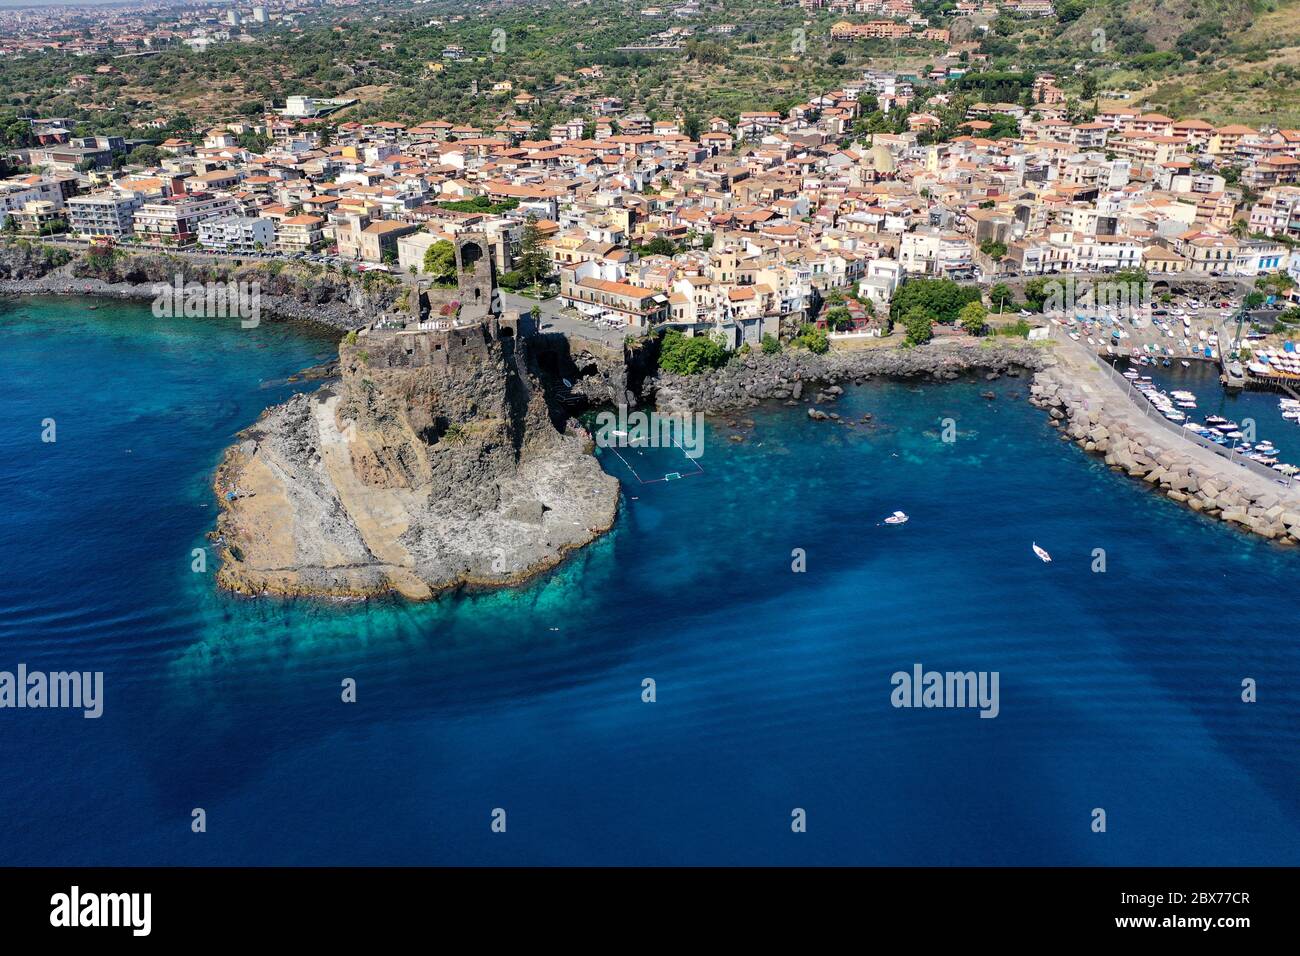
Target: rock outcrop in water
<point x="746" y="381"/>
<point x="434" y="461"/>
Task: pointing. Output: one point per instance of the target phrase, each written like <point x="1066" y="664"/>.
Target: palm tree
<point x="1240" y="229"/>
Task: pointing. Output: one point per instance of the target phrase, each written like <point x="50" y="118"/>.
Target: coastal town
<point x="649" y="433"/>
<point x="864" y="217"/>
<point x="740" y="229"/>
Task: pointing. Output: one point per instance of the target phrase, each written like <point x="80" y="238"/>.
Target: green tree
<point x="1001" y="298"/>
<point x="144" y="155"/>
<point x="839" y="318"/>
<point x="440" y="262"/>
<point x="1035" y="294"/>
<point x="770" y="344"/>
<point x="534" y="262"/>
<point x="972" y="318"/>
<point x="813" y="339"/>
<point x="689" y="356"/>
<point x="919" y="326"/>
<point x="941" y="299"/>
<point x="659" y="246"/>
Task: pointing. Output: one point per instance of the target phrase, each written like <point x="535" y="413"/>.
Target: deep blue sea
<point x="1118" y="690"/>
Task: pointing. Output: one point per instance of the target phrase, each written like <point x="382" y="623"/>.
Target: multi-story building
<point x="377" y="241"/>
<point x="627" y="305"/>
<point x="299" y="233"/>
<point x="17" y="192"/>
<point x="242" y="234"/>
<point x="175" y="220"/>
<point x="109" y="214"/>
<point x="38" y="216"/>
<point x="1277" y="213"/>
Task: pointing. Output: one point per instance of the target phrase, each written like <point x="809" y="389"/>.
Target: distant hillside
<point x="1222" y="60"/>
<point x="1158" y="25"/>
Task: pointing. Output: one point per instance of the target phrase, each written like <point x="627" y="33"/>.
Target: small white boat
<point x="896" y="518"/>
<point x="1042" y="554"/>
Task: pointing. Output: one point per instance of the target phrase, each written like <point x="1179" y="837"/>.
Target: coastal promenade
<point x="1099" y="414"/>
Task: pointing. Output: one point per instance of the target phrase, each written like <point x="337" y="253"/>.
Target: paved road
<point x="555" y="320"/>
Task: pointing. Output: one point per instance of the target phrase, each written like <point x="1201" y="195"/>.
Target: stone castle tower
<point x="446" y="327"/>
<point x="475" y="285"/>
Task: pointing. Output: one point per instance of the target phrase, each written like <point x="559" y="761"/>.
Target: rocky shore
<point x="1095" y="413"/>
<point x="747" y="380"/>
<point x="340" y="315"/>
<point x="317" y="504"/>
<point x="286" y="290"/>
<point x="434" y="461"/>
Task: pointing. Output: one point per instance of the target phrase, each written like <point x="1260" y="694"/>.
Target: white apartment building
<point x="1105" y="253"/>
<point x="1277" y="213"/>
<point x="107" y="214"/>
<point x="175" y="219"/>
<point x="237" y="234"/>
<point x="16" y="193"/>
<point x="934" y="253"/>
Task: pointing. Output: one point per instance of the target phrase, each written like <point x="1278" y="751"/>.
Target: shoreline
<point x="332" y="316"/>
<point x="1089" y="409"/>
<point x="746" y="381"/>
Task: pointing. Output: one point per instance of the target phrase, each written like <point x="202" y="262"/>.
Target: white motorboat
<point x="896" y="518"/>
<point x="1042" y="554"/>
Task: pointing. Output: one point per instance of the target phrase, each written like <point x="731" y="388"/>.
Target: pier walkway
<point x="1105" y="387"/>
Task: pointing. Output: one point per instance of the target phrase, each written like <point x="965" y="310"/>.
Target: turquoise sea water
<point x="1119" y="690"/>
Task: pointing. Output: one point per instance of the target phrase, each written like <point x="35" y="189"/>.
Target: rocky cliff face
<point x="417" y="472"/>
<point x="294" y="290"/>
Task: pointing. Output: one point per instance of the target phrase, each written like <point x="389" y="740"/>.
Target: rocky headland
<point x="435" y="461"/>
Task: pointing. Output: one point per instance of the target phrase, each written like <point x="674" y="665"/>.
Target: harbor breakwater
<point x="1094" y="413"/>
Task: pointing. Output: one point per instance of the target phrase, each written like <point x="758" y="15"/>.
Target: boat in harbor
<point x="1046" y="558"/>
